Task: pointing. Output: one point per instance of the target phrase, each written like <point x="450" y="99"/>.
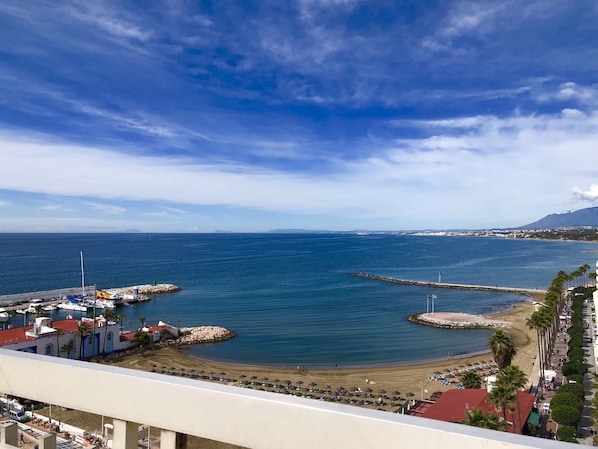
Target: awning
<point x="534" y="419"/>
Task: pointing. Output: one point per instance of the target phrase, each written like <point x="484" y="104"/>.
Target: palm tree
<point x="477" y="418"/>
<point x="68" y="348"/>
<point x="59" y="333"/>
<point x="109" y="315"/>
<point x="142" y="320"/>
<point x="471" y="380"/>
<point x="502" y="398"/>
<point x="512" y="377"/>
<point x="121" y="319"/>
<point x="502" y="348"/>
<point x="82" y="331"/>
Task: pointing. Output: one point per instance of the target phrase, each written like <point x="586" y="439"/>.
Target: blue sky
<point x="191" y="116"/>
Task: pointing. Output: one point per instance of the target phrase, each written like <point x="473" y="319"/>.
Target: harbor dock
<point x="489" y="288"/>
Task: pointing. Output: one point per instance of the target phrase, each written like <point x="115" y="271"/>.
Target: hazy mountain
<point x="578" y="218"/>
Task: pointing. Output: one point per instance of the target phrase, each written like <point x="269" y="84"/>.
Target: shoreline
<point x="412" y="380"/>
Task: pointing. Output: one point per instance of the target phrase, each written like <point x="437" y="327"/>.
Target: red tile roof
<point x="17" y="334"/>
<point x="452" y="406"/>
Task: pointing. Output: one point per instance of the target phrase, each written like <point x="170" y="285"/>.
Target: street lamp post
<point x="428" y="298"/>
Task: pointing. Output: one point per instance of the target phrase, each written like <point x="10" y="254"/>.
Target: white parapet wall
<point x="249" y="418"/>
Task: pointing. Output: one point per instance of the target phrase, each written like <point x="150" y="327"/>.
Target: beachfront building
<point x="78" y="339"/>
<point x="453" y="406"/>
<point x="70" y="338"/>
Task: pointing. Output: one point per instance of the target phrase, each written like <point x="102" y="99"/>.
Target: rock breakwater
<point x="203" y="334"/>
<point x="457" y="321"/>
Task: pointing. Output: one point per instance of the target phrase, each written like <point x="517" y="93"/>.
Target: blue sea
<point x="291" y="298"/>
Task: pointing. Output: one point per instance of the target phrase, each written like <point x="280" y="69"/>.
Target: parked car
<point x="18" y="415"/>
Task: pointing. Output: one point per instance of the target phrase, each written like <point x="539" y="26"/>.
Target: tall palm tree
<point x="533" y="322"/>
<point x="502" y="348"/>
<point x="83" y="330"/>
<point x="142" y="320"/>
<point x="121" y="319"/>
<point x="502" y="398"/>
<point x="514" y="378"/>
<point x="59" y="333"/>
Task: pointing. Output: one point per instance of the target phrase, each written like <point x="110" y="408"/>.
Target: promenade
<point x="489" y="288"/>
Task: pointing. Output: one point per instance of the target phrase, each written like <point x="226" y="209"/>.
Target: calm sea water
<point x="291" y="298"/>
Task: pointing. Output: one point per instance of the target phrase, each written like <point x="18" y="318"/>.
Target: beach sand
<point x="410" y="380"/>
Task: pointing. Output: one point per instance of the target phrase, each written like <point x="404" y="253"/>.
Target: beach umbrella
<point x="382" y="391"/>
<point x="265" y="378"/>
<point x="254" y="377"/>
<point x="397" y="393"/>
<point x="242" y="376"/>
<point x="299" y="382"/>
<point x="288" y="382"/>
<point x="369" y="390"/>
<point x="312" y="384"/>
<point x="410" y="395"/>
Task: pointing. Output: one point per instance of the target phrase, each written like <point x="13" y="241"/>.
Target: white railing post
<point x="125" y="434"/>
<point x="172" y="440"/>
<point x="47" y="441"/>
<point x="9" y="433"/>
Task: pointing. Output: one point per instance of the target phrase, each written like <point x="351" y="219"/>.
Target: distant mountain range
<point x="574" y="219"/>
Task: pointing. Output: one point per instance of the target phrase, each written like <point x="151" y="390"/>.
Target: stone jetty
<point x="449" y="320"/>
<point x="487" y="288"/>
<point x="143" y="291"/>
<point x="203" y="334"/>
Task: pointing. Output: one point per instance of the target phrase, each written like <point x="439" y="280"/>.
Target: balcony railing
<point x="248" y="418"/>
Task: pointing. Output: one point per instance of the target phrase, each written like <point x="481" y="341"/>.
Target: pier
<point x="488" y="288"/>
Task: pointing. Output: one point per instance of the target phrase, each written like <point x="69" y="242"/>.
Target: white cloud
<point x="499" y="171"/>
<point x="590" y="195"/>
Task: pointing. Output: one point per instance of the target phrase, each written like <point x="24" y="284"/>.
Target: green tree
<point x="502" y="398"/>
<point x="142" y="320"/>
<point x="512" y="377"/>
<point x="121" y="319"/>
<point x="502" y="348"/>
<point x="477" y="418"/>
<point x="142" y="339"/>
<point x="59" y="333"/>
<point x="567" y="434"/>
<point x="566" y="415"/>
<point x="68" y="348"/>
<point x="83" y="330"/>
<point x="471" y="380"/>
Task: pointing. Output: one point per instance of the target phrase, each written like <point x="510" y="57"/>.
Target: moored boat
<point x="69" y="305"/>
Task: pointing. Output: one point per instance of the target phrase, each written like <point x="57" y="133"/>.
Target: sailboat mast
<point x="82" y="276"/>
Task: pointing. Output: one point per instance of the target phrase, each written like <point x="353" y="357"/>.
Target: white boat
<point x="50" y="308"/>
<point x="72" y="306"/>
<point x="4" y="316"/>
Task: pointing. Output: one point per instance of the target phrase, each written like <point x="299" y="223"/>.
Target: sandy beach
<point x="409" y="380"/>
